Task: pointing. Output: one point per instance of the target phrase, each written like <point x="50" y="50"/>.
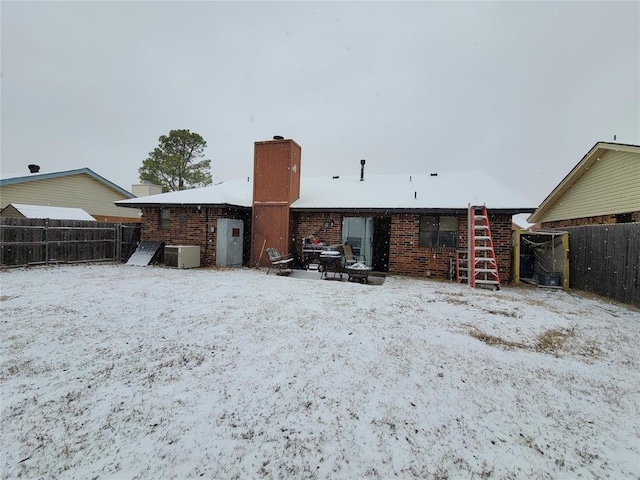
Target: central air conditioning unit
<point x="182" y="256"/>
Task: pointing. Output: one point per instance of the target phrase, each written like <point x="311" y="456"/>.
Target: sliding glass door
<point x="358" y="232"/>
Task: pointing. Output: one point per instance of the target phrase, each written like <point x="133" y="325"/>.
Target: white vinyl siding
<point x="75" y="191"/>
<point x="611" y="185"/>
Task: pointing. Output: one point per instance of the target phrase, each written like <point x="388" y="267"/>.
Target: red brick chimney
<point x="276" y="185"/>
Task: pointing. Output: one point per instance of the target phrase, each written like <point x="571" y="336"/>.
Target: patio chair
<point x="278" y="262"/>
<point x="349" y="257"/>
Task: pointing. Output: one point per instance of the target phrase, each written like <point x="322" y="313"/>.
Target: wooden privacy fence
<point x="25" y="241"/>
<point x="605" y="259"/>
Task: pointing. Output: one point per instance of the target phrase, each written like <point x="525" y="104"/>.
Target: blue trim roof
<point x="66" y="173"/>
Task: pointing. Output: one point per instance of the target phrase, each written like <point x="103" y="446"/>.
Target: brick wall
<point x="406" y="257"/>
<point x="190" y="226"/>
<point x="502" y="237"/>
<point x="313" y="223"/>
<point x="597" y="220"/>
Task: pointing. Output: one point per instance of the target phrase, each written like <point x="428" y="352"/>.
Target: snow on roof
<point x="234" y="192"/>
<point x="54" y="213"/>
<point x="521" y="221"/>
<point x="442" y="191"/>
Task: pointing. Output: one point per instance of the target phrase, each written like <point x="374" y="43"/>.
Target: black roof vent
<point x="278" y="137"/>
<point x="34" y="168"/>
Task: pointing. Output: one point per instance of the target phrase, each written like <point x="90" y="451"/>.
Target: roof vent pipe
<point x="34" y="168"/>
<point x="362" y="162"/>
<point x="278" y="137"/>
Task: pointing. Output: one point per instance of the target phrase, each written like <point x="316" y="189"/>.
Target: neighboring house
<point x="402" y="224"/>
<point x="598" y="204"/>
<point x="17" y="210"/>
<point x="80" y="188"/>
<point x="603" y="188"/>
<point x="146" y="188"/>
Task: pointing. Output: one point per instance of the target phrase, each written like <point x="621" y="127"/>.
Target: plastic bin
<point x="550" y="279"/>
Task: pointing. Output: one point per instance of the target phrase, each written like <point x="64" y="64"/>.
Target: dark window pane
<point x="447" y="239"/>
<point x="624" y="218"/>
<point x="449" y="224"/>
<point x="438" y="231"/>
<point x="165" y="219"/>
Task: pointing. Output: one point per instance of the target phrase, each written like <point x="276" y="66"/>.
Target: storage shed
<point x="541" y="258"/>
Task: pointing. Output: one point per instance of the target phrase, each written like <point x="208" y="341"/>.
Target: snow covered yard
<point x="112" y="371"/>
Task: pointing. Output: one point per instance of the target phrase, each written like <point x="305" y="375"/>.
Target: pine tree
<point x="175" y="163"/>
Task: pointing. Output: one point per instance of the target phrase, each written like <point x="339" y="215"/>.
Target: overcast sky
<point x="522" y="90"/>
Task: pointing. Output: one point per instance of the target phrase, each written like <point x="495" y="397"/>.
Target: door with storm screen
<point x="358" y="232"/>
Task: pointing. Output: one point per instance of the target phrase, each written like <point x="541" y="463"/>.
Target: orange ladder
<point x="477" y="264"/>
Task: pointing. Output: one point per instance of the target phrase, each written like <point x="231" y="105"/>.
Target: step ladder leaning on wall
<point x="476" y="265"/>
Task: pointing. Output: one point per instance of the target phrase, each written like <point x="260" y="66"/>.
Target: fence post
<point x="46" y="242"/>
<point x="118" y="246"/>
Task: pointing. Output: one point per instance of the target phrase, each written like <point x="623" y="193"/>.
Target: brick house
<point x="189" y="217"/>
<point x="401" y="224"/>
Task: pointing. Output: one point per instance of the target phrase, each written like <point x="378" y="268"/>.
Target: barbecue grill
<point x="331" y="261"/>
<point x="311" y="255"/>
